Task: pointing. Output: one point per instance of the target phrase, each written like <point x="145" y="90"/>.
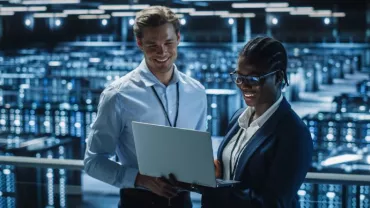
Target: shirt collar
<point x="149" y="79"/>
<point x="246" y="115"/>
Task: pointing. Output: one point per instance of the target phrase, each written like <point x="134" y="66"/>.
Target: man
<point x="155" y="92"/>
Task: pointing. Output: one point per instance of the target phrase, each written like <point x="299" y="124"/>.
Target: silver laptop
<point x="187" y="154"/>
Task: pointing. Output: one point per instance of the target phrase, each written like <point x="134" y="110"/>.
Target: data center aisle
<point x="100" y="195"/>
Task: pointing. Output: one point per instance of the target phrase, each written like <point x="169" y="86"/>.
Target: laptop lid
<point x="187" y="154"/>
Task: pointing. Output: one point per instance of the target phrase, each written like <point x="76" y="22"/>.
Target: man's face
<point x="159" y="45"/>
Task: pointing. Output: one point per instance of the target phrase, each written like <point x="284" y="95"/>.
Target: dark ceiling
<point x="349" y="6"/>
<point x="352" y="27"/>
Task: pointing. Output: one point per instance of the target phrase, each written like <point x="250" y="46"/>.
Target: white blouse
<point x="246" y="132"/>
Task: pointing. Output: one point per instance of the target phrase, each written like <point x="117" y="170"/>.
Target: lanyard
<point x="164" y="109"/>
<point x="232" y="170"/>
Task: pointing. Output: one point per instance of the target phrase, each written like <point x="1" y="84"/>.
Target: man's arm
<point x="102" y="143"/>
<point x="202" y="124"/>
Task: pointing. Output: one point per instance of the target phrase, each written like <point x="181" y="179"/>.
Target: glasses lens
<point x="249" y="80"/>
<point x="238" y="79"/>
<point x="235" y="78"/>
<point x="253" y="81"/>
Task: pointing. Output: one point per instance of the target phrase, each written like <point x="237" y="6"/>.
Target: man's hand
<point x="186" y="186"/>
<point x="157" y="185"/>
<point x="218" y="169"/>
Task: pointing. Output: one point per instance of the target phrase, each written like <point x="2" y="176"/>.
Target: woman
<point x="267" y="148"/>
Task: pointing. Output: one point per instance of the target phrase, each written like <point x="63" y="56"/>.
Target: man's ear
<point x="139" y="43"/>
<point x="178" y="38"/>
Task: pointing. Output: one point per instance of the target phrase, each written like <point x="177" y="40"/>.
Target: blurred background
<point x="56" y="57"/>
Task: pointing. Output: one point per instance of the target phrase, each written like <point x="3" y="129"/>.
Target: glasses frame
<point x="258" y="79"/>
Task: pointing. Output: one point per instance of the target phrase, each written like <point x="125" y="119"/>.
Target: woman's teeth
<point x="249" y="95"/>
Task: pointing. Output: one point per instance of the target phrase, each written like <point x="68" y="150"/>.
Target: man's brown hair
<point x="155" y="16"/>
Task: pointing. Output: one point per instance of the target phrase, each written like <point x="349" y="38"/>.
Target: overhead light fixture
<point x="123" y="14"/>
<point x="183" y="10"/>
<point x="6" y="13"/>
<point x="83" y="11"/>
<point x="319" y="15"/>
<point x="338" y="14"/>
<point x="202" y="13"/>
<point x="278" y="5"/>
<point x="37" y="8"/>
<point x="327" y="12"/>
<point x="208" y="13"/>
<point x="258" y="5"/>
<point x="13" y="9"/>
<point x="140" y="6"/>
<point x="96" y="11"/>
<point x="124" y="7"/>
<point x="303" y="9"/>
<point x="39" y="2"/>
<point x="180" y="16"/>
<point x="24" y="9"/>
<point x="76" y="11"/>
<point x="239" y="15"/>
<point x="114" y="7"/>
<point x="335" y="14"/>
<point x="221" y="12"/>
<point x="299" y="13"/>
<point x="49" y="15"/>
<point x="285" y="9"/>
<point x="248" y="5"/>
<point x="107" y="16"/>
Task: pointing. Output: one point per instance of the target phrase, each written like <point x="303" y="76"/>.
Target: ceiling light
<point x="36" y="2"/>
<point x="124" y="7"/>
<point x="258" y="5"/>
<point x="123" y="14"/>
<point x="94" y="16"/>
<point x="285" y="9"/>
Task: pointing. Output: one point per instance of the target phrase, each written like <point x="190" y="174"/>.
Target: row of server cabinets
<point x="341" y="137"/>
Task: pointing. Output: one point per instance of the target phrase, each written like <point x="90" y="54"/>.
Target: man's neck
<point x="164" y="78"/>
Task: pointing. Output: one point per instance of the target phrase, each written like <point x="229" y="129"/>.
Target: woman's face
<point x="263" y="92"/>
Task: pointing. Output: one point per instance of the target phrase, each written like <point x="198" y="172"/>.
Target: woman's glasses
<point x="250" y="80"/>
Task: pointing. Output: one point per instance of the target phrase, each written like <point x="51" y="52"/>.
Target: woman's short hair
<point x="266" y="53"/>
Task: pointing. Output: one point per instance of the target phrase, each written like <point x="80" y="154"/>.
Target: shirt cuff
<point x="130" y="178"/>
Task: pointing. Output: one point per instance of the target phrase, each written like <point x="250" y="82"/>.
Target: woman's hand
<point x="218" y="168"/>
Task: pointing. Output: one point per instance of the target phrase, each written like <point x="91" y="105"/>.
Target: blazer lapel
<point x="260" y="137"/>
<point x="228" y="137"/>
<point x="231" y="132"/>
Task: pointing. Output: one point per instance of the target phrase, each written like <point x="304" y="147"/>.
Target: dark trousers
<point x="136" y="198"/>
